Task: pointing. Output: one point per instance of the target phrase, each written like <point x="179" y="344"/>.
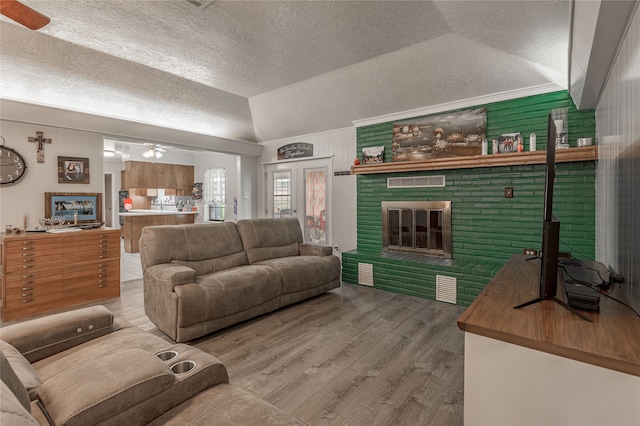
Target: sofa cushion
<point x="13" y="383"/>
<point x="23" y="369"/>
<point x="300" y="273"/>
<point x="270" y="238"/>
<point x="209" y="266"/>
<point x="130" y="338"/>
<point x="91" y="392"/>
<point x="192" y="242"/>
<point x="226" y="292"/>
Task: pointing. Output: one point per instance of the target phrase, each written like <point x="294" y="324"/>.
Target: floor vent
<point x="365" y="274"/>
<point x="446" y="289"/>
<point x="416" y="182"/>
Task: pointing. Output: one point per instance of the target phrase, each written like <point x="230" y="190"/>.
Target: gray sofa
<point x="85" y="368"/>
<point x="203" y="277"/>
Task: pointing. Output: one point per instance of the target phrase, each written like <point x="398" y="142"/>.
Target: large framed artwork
<point x="86" y="205"/>
<point x="454" y="134"/>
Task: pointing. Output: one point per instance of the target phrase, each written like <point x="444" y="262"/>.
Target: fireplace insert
<point x="421" y="227"/>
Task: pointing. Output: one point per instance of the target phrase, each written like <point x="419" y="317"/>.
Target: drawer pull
<point x="105" y="275"/>
<point x="26" y="288"/>
<point x="24" y="243"/>
<point x="26" y="294"/>
<point x="27" y="254"/>
<point x="27" y="266"/>
<point x="25" y="284"/>
<point x="27" y="249"/>
<point x="27" y="260"/>
<point x="26" y="300"/>
<point x="24" y="277"/>
<point x="102" y="285"/>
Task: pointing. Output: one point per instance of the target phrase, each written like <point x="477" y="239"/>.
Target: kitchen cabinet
<point x="43" y="272"/>
<point x="138" y="174"/>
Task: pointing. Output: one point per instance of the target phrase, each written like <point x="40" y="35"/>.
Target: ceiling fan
<point x="23" y="14"/>
<point x="153" y="151"/>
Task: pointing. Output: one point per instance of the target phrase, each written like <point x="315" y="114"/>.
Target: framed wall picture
<point x="373" y="155"/>
<point x="86" y="205"/>
<point x="509" y="142"/>
<point x="73" y="170"/>
<point x="452" y="134"/>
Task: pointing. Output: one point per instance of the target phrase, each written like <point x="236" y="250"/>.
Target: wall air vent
<point x="201" y="4"/>
<point x="365" y="274"/>
<point x="416" y="182"/>
<point x="446" y="289"/>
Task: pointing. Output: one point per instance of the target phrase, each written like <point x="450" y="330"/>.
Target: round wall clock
<point x="12" y="165"/>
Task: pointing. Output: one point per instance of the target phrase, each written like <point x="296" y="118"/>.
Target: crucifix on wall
<point x="40" y="139"/>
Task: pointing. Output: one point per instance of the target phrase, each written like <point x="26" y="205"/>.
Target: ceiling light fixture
<point x="153" y="151"/>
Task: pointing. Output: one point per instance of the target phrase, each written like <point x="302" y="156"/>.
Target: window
<point x="282" y="194"/>
<point x="214" y="192"/>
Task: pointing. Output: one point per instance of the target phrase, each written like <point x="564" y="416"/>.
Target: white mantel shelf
<point x="588" y="153"/>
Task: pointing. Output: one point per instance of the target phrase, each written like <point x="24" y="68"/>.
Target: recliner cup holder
<point x="183" y="367"/>
<point x="167" y="355"/>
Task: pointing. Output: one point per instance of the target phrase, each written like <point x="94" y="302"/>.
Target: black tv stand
<point x="558" y="301"/>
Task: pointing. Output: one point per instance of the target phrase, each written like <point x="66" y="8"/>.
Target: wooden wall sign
<point x="295" y="150"/>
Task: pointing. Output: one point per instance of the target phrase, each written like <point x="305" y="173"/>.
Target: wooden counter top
<point x="612" y="340"/>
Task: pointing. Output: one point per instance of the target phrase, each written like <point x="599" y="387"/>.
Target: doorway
<point x="301" y="189"/>
<point x="108" y="199"/>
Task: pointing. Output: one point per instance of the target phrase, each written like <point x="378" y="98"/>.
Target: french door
<point x="302" y="189"/>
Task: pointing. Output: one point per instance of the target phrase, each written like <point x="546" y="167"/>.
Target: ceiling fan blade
<point x="23" y="14"/>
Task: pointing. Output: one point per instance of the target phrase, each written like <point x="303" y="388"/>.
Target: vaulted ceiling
<point x="262" y="70"/>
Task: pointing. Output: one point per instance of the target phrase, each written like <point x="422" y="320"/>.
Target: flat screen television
<point x="548" y="280"/>
<point x="551" y="224"/>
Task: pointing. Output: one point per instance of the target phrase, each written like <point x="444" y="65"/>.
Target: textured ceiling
<point x="261" y="70"/>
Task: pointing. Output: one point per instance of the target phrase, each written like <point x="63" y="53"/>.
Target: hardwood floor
<point x="354" y="356"/>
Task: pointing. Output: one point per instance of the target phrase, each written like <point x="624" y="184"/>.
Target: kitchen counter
<point x="142" y="212"/>
<point x="135" y="220"/>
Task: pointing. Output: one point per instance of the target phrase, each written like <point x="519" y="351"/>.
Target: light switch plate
<point x="508" y="193"/>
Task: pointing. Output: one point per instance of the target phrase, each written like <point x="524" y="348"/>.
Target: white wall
<point x="247" y="201"/>
<point x="339" y="144"/>
<point x="115" y="168"/>
<point x="27" y="195"/>
<point x="618" y="169"/>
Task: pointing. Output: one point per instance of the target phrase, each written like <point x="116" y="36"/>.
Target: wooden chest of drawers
<point x="43" y="272"/>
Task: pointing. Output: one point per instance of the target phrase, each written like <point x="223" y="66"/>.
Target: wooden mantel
<point x="588" y="153"/>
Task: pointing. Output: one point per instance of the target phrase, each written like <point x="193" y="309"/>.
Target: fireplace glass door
<point x="420" y="227"/>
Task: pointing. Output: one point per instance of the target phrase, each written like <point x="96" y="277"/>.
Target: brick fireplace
<point x="486" y="228"/>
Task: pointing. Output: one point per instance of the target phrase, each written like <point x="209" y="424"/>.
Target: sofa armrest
<point x="42" y="337"/>
<point x="170" y="275"/>
<point x="314" y="250"/>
